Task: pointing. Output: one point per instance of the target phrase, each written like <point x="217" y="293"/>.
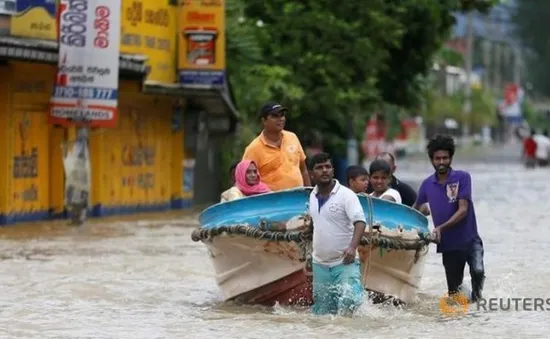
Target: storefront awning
<point x="217" y="101"/>
<point x="47" y="51"/>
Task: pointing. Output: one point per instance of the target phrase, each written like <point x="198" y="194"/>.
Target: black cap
<point x="271" y="108"/>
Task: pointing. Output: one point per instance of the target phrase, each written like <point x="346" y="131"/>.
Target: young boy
<point x="357" y="178"/>
<point x="380" y="178"/>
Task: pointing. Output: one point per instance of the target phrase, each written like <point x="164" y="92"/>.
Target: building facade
<point x="143" y="163"/>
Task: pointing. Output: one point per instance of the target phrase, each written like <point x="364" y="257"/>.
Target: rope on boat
<point x="371" y="229"/>
<point x="200" y="234"/>
<point x="304" y="237"/>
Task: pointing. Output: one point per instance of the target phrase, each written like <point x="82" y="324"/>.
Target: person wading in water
<point x="449" y="194"/>
<point x="338" y="225"/>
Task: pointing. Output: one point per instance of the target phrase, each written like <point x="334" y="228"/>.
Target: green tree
<point x="252" y="80"/>
<point x="440" y="107"/>
<point x="536" y="119"/>
<point x="333" y="63"/>
<point x="334" y="57"/>
<point x="530" y="21"/>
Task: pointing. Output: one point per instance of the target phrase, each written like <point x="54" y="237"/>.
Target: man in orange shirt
<point x="278" y="153"/>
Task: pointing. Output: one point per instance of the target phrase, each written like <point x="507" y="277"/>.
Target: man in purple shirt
<point x="449" y="194"/>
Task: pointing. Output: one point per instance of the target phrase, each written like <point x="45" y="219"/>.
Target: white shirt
<point x="392" y="193"/>
<point x="333" y="223"/>
<point x="543" y="146"/>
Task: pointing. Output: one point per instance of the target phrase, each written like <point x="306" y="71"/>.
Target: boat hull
<point x="292" y="290"/>
<point x="395" y="274"/>
<point x="267" y="273"/>
<point x="259" y="272"/>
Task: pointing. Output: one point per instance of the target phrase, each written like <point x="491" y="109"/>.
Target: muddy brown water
<point x="145" y="278"/>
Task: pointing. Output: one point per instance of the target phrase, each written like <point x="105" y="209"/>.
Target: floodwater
<point x="147" y="279"/>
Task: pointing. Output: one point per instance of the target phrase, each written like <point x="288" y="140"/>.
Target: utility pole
<point x="487" y="46"/>
<point x="517" y="66"/>
<point x="487" y="54"/>
<point x="467" y="109"/>
<point x="498" y="60"/>
<point x="352" y="153"/>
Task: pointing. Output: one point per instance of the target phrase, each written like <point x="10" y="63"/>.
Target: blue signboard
<point x="202" y="77"/>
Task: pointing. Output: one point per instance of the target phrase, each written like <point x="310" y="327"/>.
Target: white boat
<point x="259" y="248"/>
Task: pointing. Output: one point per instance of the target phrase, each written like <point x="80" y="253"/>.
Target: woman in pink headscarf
<point x="247" y="182"/>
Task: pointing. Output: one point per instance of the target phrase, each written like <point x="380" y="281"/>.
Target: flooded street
<point x="149" y="280"/>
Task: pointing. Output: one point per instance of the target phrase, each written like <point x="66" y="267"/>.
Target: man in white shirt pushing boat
<point x="338" y="225"/>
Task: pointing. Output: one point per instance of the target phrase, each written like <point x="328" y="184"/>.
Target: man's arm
<point x="424" y="209"/>
<point x="421" y="199"/>
<point x="351" y="252"/>
<point x="355" y="213"/>
<point x="421" y="203"/>
<point x="358" y="232"/>
<point x="457" y="217"/>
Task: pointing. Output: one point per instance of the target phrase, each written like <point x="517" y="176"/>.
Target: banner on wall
<point x="201" y="35"/>
<point x="149" y="28"/>
<point x="34" y="19"/>
<point x="76" y="163"/>
<point x="86" y="86"/>
<point x="510" y="108"/>
<point x="188" y="178"/>
<point x="5" y="22"/>
<point x="374" y="139"/>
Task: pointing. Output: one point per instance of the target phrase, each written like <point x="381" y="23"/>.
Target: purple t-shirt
<point x="443" y="199"/>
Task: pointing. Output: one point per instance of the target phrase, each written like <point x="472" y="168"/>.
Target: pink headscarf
<point x="243" y="186"/>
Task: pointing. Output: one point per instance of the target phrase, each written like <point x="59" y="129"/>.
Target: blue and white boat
<point x="258" y="244"/>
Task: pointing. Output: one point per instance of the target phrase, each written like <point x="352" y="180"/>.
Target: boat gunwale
<point x="308" y="189"/>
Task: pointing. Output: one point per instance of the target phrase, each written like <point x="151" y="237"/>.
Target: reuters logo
<point x="455" y="304"/>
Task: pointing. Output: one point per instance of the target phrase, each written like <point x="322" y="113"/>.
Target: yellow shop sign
<point x="149" y="28"/>
<point x="201" y="35"/>
<point x="34" y="19"/>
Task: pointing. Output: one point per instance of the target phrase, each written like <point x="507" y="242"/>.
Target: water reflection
<point x="138" y="279"/>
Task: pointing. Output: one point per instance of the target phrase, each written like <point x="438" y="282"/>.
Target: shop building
<point x="147" y="161"/>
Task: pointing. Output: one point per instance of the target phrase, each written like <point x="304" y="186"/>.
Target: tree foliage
<point x="536" y="119"/>
<point x="531" y="18"/>
<point x="335" y="62"/>
<point x="440" y="107"/>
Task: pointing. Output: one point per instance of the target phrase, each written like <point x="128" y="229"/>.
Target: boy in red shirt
<point x="529" y="149"/>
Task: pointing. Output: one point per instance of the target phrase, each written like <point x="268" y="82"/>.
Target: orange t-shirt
<point x="279" y="167"/>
